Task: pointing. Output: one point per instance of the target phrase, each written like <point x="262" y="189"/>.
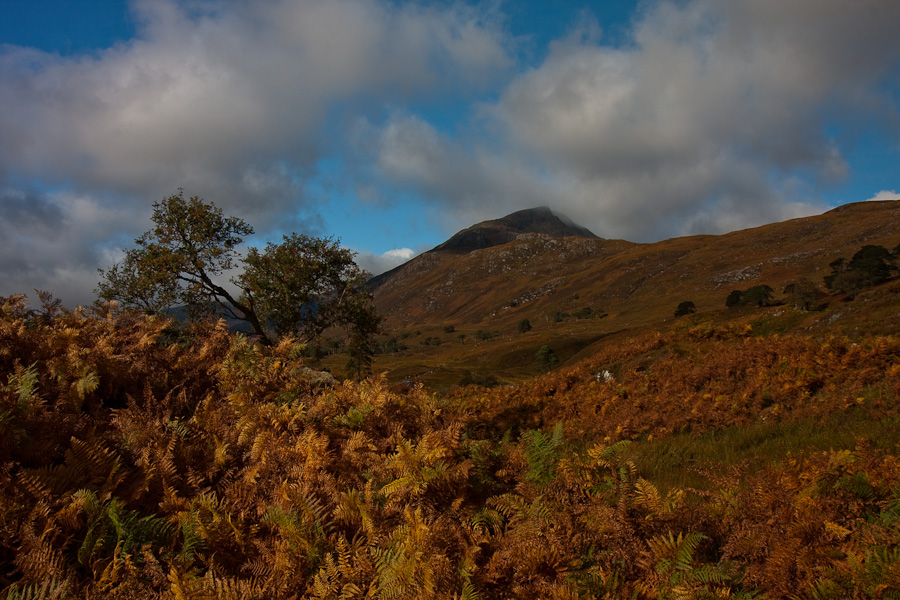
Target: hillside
<point x="613" y="285"/>
<point x="712" y="460"/>
<point x="492" y="233"/>
<point x="541" y="273"/>
<point x="747" y="452"/>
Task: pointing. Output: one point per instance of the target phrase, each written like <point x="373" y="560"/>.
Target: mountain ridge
<point x="496" y="232"/>
<point x="536" y="274"/>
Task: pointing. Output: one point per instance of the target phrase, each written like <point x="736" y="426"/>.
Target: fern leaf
<point x="49" y="589"/>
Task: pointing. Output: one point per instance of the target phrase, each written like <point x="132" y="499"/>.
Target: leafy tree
<point x="870" y="266"/>
<point x="361" y="346"/>
<point x="305" y="285"/>
<point x="180" y="261"/>
<point x="524" y="326"/>
<point x="734" y="298"/>
<point x="483" y="379"/>
<point x="585" y="313"/>
<point x="804" y="295"/>
<point x="685" y="308"/>
<point x="760" y="295"/>
<point x="301" y="286"/>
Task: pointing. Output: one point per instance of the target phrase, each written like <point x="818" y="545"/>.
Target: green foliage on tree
<point x="524" y="326"/>
<point x="180" y="261"/>
<point x="482" y="379"/>
<point x="546" y="357"/>
<point x="804" y="295"/>
<point x="734" y="298"/>
<point x="870" y="266"/>
<point x="299" y="287"/>
<point x="759" y="295"/>
<point x="685" y="308"/>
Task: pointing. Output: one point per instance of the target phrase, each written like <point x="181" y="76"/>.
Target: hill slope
<point x="539" y="274"/>
<point x="454" y="316"/>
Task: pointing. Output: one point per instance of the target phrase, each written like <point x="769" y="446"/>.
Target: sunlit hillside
<point x="715" y="459"/>
<point x="453" y="314"/>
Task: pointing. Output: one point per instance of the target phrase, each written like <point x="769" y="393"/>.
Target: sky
<point x="393" y="124"/>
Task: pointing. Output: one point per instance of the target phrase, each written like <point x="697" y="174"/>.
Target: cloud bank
<point x="234" y="101"/>
<point x="713" y="118"/>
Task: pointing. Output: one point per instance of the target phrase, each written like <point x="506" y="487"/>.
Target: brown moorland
<point x="579" y="293"/>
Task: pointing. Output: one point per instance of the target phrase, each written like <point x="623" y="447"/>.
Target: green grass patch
<point x="673" y="462"/>
<point x="784" y="320"/>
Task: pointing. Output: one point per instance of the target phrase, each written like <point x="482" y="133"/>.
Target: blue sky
<point x="394" y="124"/>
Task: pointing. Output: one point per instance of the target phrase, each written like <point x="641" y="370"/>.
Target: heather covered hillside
<point x="141" y="460"/>
<point x="448" y="314"/>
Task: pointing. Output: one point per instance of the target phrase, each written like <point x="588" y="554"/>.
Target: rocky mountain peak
<point x="506" y="229"/>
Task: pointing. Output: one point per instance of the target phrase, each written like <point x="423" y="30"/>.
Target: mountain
<point x="531" y="264"/>
<point x="502" y="231"/>
<point x="456" y="314"/>
<point x="496" y="232"/>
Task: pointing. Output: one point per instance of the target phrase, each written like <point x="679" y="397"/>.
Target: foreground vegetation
<point x="143" y="461"/>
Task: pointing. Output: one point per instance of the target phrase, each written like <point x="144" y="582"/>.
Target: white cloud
<point x="208" y="101"/>
<point x="377" y="264"/>
<point x="691" y="128"/>
<point x="233" y="101"/>
<point x="884" y="195"/>
<point x="700" y="125"/>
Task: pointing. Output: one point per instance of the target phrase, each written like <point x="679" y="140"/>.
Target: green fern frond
<point x="23" y="384"/>
<point x="509" y="505"/>
<point x="486" y="520"/>
<point x="468" y="592"/>
<point x="542" y="453"/>
<point x="49" y="589"/>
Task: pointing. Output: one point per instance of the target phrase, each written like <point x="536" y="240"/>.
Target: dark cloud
<point x="29" y="213"/>
<point x="55" y="241"/>
<point x="701" y="124"/>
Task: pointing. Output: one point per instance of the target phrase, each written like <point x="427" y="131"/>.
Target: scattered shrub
<point x="685" y="308"/>
<point x="546" y="357"/>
